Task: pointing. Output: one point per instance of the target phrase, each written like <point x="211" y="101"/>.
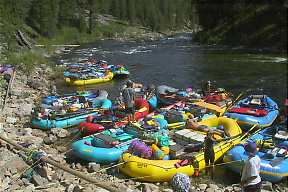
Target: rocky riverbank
<point x="25" y="92"/>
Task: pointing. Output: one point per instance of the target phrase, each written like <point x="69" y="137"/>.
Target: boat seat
<point x="190" y="136"/>
<point x="81" y="99"/>
<point x="103" y="140"/>
<point x="255" y="102"/>
<point x="176" y="150"/>
<point x="137" y="90"/>
<point x="282" y="135"/>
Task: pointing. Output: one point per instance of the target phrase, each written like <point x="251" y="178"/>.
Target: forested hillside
<point x="253" y="23"/>
<point x="48" y="16"/>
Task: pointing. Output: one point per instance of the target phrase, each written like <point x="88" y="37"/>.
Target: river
<point x="177" y="62"/>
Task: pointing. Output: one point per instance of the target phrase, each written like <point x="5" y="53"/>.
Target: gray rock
<point x="16" y="92"/>
<point x="26" y="109"/>
<point x="37" y="133"/>
<point x="78" y="166"/>
<point x="209" y="190"/>
<point x="16" y="164"/>
<point x="202" y="186"/>
<point x="167" y="190"/>
<point x="27" y="131"/>
<point x="39" y="181"/>
<point x="100" y="190"/>
<point x="213" y="186"/>
<point x="25" y="182"/>
<point x="67" y="178"/>
<point x="63" y="133"/>
<point x="43" y="172"/>
<point x="72" y="166"/>
<point x="60" y="132"/>
<point x="266" y="185"/>
<point x="14" y="187"/>
<point x="13" y="171"/>
<point x="93" y="167"/>
<point x="237" y="189"/>
<point x="148" y="187"/>
<point x="7" y="173"/>
<point x="50" y="139"/>
<point x="30" y="187"/>
<point x="11" y="120"/>
<point x="78" y="188"/>
<point x="34" y="83"/>
<point x="229" y="189"/>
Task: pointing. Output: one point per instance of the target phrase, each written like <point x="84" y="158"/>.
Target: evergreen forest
<point x="252" y="23"/>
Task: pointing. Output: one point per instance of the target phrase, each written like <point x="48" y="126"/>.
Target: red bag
<point x="212" y="98"/>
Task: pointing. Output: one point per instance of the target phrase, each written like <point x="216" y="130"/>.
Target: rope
<point x="31" y="166"/>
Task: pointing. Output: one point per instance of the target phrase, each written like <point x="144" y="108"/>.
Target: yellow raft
<point x="89" y="81"/>
<point x="163" y="170"/>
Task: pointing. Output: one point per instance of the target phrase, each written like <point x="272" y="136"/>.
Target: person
<point x="181" y="182"/>
<point x="129" y="100"/>
<point x="209" y="154"/>
<point x="251" y="180"/>
<point x="193" y="124"/>
<point x="206" y="89"/>
<point x="53" y="89"/>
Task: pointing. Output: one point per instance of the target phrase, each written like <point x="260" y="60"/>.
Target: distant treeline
<point x="46" y="16"/>
<point x="237" y="22"/>
<point x="243" y="22"/>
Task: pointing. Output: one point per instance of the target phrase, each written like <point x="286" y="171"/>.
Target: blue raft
<point x="254" y="109"/>
<point x="51" y="119"/>
<point x="272" y="152"/>
<point x="107" y="146"/>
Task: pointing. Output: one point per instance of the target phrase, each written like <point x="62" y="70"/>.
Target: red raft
<point x="141" y="107"/>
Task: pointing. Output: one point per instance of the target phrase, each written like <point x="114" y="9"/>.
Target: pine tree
<point x="67" y="10"/>
<point x="131" y="11"/>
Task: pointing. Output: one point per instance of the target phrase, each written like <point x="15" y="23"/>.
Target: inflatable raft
<point x="154" y="170"/>
<point x="47" y="118"/>
<point x="273" y="152"/>
<point x="74" y="81"/>
<point x="107" y="146"/>
<point x="90" y="126"/>
<point x="120" y="71"/>
<point x="254" y="109"/>
<point x="169" y="95"/>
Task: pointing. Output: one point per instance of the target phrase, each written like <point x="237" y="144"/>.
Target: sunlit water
<point x="178" y="63"/>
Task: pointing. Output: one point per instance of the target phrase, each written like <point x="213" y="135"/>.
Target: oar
<point x="278" y="160"/>
<point x="136" y="125"/>
<point x="175" y="125"/>
<point x="275" y="108"/>
<point x="244" y="135"/>
<point x="232" y="105"/>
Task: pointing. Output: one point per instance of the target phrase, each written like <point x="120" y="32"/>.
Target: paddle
<point x="175" y="125"/>
<point x="278" y="160"/>
<point x="231" y="105"/>
<point x="275" y="108"/>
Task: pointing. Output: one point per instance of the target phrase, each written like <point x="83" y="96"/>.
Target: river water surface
<point x="178" y="63"/>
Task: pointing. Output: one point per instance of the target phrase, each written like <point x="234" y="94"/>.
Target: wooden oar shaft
<point x="67" y="169"/>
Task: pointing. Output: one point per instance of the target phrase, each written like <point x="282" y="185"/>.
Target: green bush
<point x="26" y="61"/>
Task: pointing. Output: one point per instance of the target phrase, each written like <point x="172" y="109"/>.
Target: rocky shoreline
<point x="25" y="92"/>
